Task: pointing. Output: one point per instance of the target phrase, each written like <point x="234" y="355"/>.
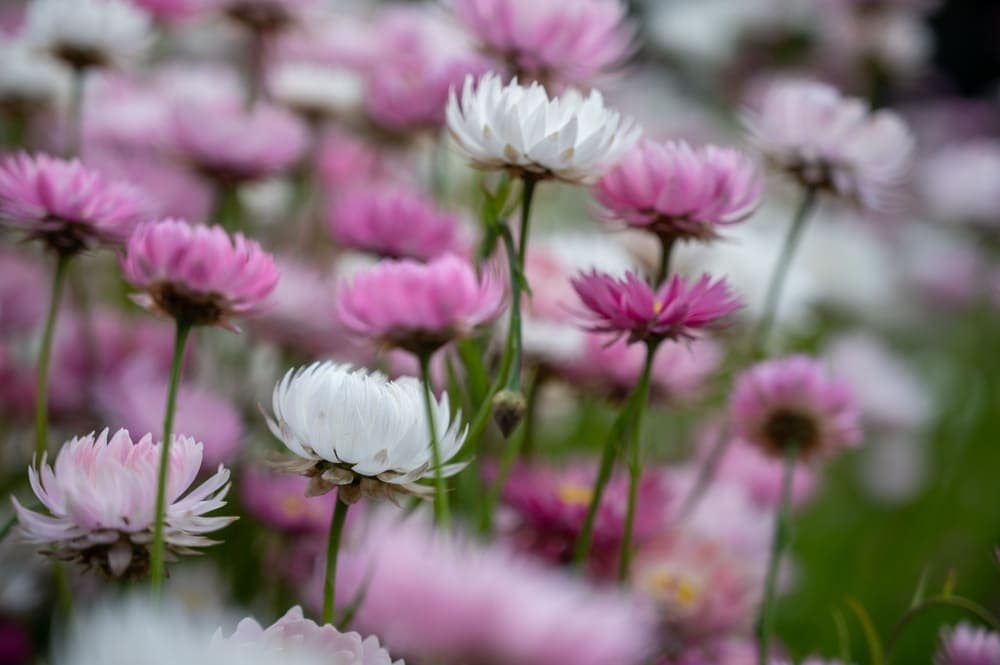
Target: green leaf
<point x="843" y="636"/>
<point x="871" y="635"/>
<point x="919" y="594"/>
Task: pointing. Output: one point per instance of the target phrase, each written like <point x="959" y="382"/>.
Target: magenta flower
<point x="794" y="401"/>
<point x="677" y="310"/>
<point x="419" y="306"/>
<point x="394" y="222"/>
<point x="966" y="644"/>
<point x="279" y="500"/>
<point x="549" y="40"/>
<point x="64" y="204"/>
<point x="679" y="192"/>
<point x="99" y="500"/>
<point x="197" y="274"/>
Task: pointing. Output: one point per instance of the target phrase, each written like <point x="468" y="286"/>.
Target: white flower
<point x="89" y="33"/>
<point x="569" y="138"/>
<point x="29" y="81"/>
<point x="357" y="431"/>
<point x="317" y="90"/>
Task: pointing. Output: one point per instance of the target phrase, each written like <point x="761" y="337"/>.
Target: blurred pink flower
<point x="100" y="498"/>
<point x="728" y="651"/>
<point x="296" y="634"/>
<point x="197" y="274"/>
<point x="831" y="142"/>
<point x="677" y="310"/>
<point x="22" y="292"/>
<point x="440" y="599"/>
<point x="419" y="306"/>
<point x="551" y="41"/>
<point x="279" y="500"/>
<point x="394" y="222"/>
<point x="760" y="475"/>
<point x="966" y="644"/>
<point x="344" y="160"/>
<point x="961" y="183"/>
<point x="679" y="192"/>
<point x="172" y="11"/>
<point x="64" y="204"/>
<point x="794" y="401"/>
<point x="266" y="15"/>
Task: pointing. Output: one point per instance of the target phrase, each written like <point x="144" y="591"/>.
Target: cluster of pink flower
<point x="360" y="189"/>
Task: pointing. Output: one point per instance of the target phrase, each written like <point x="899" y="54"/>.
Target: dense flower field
<point x="496" y="332"/>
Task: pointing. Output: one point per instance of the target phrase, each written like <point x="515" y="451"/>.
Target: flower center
<point x="678" y="590"/>
<point x="575" y="494"/>
<point x="786" y="427"/>
<point x="183" y="305"/>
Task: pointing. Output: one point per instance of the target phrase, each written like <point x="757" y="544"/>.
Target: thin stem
<point x="765" y="617"/>
<point x="634" y="463"/>
<point x="969" y="606"/>
<point x="440" y="490"/>
<point x="74" y="123"/>
<point x="527" y="196"/>
<point x="510" y="365"/>
<point x="332" y="551"/>
<point x="666" y="250"/>
<point x="157" y="554"/>
<point x="706" y="473"/>
<point x="44" y="355"/>
<point x="228" y="211"/>
<point x="257" y="45"/>
<point x="780" y="272"/>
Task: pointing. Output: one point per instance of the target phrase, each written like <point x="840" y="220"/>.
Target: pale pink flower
<point x="966" y="644"/>
<point x="344" y="160"/>
<point x="419" y="306"/>
<point x="679" y="192"/>
<point x="549" y="40"/>
<point x="630" y="306"/>
<point x="760" y="475"/>
<point x="279" y="500"/>
<point x="441" y="599"/>
<point x="64" y="204"/>
<point x="831" y="142"/>
<point x="172" y="11"/>
<point x="728" y="651"/>
<point x="394" y="222"/>
<point x="197" y="274"/>
<point x="794" y="401"/>
<point x="22" y="292"/>
<point x="100" y="495"/>
<point x="961" y="183"/>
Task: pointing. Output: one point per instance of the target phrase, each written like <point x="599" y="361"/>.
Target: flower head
<point x="831" y="142"/>
<point x="677" y="310"/>
<point x="961" y="183"/>
<point x="419" y="306"/>
<point x="64" y="204"/>
<point x="89" y="33"/>
<point x="265" y="15"/>
<point x="100" y="497"/>
<point x="966" y="644"/>
<point x="679" y="192"/>
<point x="794" y="401"/>
<point x="29" y="83"/>
<point x="197" y="274"/>
<point x="357" y="432"/>
<point x="549" y="40"/>
<point x="568" y="138"/>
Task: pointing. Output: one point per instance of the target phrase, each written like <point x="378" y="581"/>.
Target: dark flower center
<point x="196" y="309"/>
<point x="791" y="428"/>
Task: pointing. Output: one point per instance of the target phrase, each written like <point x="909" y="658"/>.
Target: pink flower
<point x="419" y="306"/>
<point x="100" y="499"/>
<point x="394" y="222"/>
<point x="758" y="474"/>
<point x="197" y="274"/>
<point x="794" y="401"/>
<point x="265" y="15"/>
<point x="435" y="598"/>
<point x="171" y="11"/>
<point x="228" y="144"/>
<point x="677" y="310"/>
<point x="551" y="40"/>
<point x="831" y="142"/>
<point x="966" y="644"/>
<point x="67" y="206"/>
<point x="279" y="500"/>
<point x="344" y="160"/>
<point x="22" y="292"/>
<point x="730" y="651"/>
<point x="679" y="192"/>
<point x="961" y="183"/>
<point x="294" y="633"/>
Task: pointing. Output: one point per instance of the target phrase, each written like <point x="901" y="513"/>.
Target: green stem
<point x="74" y="123"/>
<point x="332" y="551"/>
<point x="634" y="462"/>
<point x="780" y="272"/>
<point x="228" y="211"/>
<point x="666" y="250"/>
<point x="765" y="617"/>
<point x="44" y="355"/>
<point x="157" y="554"/>
<point x="517" y="282"/>
<point x="969" y="606"/>
<point x="440" y="490"/>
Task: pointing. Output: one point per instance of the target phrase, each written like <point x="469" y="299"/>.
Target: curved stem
<point x="634" y="463"/>
<point x="157" y="553"/>
<point x="780" y="272"/>
<point x="44" y="355"/>
<point x="332" y="551"/>
<point x="765" y="617"/>
<point x="972" y="607"/>
<point x="440" y="491"/>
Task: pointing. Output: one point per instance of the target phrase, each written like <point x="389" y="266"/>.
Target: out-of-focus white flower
<point x="894" y="469"/>
<point x="961" y="183"/>
<point x="89" y="33"/>
<point x="317" y="91"/>
<point x="29" y="80"/>
<point x="520" y="129"/>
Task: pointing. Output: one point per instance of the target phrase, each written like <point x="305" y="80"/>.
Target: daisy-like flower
<point x="359" y="433"/>
<point x="66" y="205"/>
<point x="419" y="306"/>
<point x="568" y="138"/>
<point x="966" y="644"/>
<point x="197" y="274"/>
<point x="100" y="494"/>
<point x="89" y="33"/>
<point x="630" y="306"/>
<point x="549" y="40"/>
<point x="679" y="192"/>
<point x="831" y="142"/>
<point x="29" y="82"/>
<point x="394" y="222"/>
<point x="794" y="401"/>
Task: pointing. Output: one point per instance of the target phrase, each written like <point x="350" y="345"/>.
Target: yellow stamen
<point x="575" y="494"/>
